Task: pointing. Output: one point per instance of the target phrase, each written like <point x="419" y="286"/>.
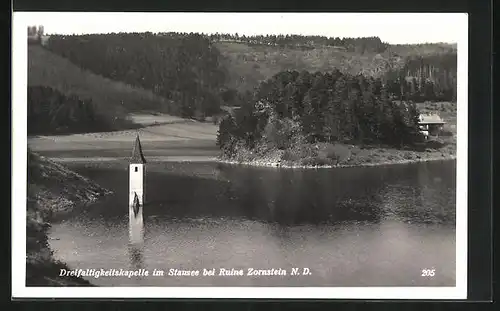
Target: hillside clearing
<point x="250" y="64"/>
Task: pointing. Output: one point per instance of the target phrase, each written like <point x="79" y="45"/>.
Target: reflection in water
<point x="352" y="227"/>
<point x="136" y="236"/>
<point x="428" y="199"/>
<point x="136" y="256"/>
<point x="299" y="197"/>
<point x="136" y="225"/>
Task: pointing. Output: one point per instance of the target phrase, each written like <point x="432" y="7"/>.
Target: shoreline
<point x="287" y="166"/>
<point x="257" y="163"/>
<point x="52" y="190"/>
<point x="151" y="159"/>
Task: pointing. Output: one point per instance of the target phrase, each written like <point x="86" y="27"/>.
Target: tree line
<point x="35" y="34"/>
<point x="184" y="68"/>
<point x="35" y="31"/>
<point x="361" y="44"/>
<point x="51" y="112"/>
<point x="302" y="108"/>
<point x="425" y="78"/>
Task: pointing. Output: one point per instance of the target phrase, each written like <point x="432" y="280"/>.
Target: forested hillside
<point x="193" y="75"/>
<point x="63" y="98"/>
<point x="425" y="78"/>
<point x="197" y="71"/>
<point x="51" y="112"/>
<point x="182" y="68"/>
<point x="50" y="70"/>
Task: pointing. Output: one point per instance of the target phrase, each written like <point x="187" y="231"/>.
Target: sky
<point x="394" y="28"/>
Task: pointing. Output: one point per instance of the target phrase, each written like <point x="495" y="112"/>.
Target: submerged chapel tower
<point x="137" y="176"/>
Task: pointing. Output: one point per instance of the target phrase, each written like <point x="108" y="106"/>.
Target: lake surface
<point x="374" y="226"/>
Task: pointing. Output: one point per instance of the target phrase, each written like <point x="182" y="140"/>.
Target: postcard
<point x="239" y="155"/>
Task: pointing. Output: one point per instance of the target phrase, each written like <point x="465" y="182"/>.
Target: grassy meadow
<point x="250" y="64"/>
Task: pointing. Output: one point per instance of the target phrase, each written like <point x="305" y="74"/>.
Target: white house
<point x="430" y="124"/>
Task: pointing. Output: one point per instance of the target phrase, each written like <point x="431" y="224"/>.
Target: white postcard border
<point x="20" y="22"/>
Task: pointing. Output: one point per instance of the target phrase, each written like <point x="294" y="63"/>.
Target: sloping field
<point x="249" y="64"/>
<point x="424" y="49"/>
<point x="47" y="69"/>
<point x="190" y="130"/>
<point x="180" y="140"/>
<point x="155" y="119"/>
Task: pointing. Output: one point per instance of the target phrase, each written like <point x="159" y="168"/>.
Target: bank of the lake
<point x="325" y="155"/>
<point x="52" y="190"/>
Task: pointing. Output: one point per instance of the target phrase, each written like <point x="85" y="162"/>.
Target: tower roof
<point x="137" y="156"/>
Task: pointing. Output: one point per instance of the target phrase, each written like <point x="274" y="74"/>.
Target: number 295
<point x="428" y="272"/>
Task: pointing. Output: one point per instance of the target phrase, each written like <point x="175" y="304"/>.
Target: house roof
<point x="230" y="110"/>
<point x="137" y="155"/>
<point x="430" y="119"/>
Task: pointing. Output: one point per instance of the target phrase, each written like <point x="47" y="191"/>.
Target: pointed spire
<point x="137" y="156"/>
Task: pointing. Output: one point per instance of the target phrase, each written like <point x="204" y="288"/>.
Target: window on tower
<point x="136" y="168"/>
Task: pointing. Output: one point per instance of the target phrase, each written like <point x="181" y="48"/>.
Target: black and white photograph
<point x="239" y="155"/>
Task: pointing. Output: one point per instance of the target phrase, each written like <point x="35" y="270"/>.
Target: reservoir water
<point x="371" y="226"/>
